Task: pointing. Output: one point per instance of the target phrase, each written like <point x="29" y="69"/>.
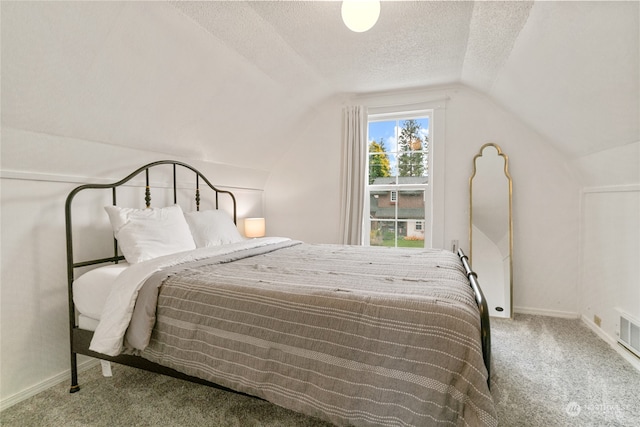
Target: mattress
<point x="90" y="292"/>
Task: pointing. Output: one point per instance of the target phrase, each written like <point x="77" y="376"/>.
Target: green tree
<point x="379" y="164"/>
<point x="412" y="150"/>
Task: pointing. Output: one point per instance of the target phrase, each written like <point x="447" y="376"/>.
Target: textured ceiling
<point x="413" y="44"/>
<point x="225" y="80"/>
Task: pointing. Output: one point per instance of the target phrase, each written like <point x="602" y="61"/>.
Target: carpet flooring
<point x="546" y="372"/>
<point x="557" y="372"/>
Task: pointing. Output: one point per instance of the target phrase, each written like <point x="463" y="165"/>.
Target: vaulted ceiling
<point x="225" y="80"/>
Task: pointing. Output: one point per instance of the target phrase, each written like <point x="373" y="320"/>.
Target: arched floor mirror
<point x="491" y="228"/>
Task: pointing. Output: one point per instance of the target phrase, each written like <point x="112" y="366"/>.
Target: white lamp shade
<point x="360" y="15"/>
<point x="254" y="227"/>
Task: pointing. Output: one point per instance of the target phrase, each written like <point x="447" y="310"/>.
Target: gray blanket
<point x="357" y="336"/>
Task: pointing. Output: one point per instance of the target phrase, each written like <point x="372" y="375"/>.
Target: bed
<point x="353" y="335"/>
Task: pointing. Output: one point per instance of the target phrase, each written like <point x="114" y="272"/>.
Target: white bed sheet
<point x="90" y="292"/>
<point x="87" y="323"/>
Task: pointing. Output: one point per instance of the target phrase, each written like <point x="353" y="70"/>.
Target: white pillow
<point x="212" y="228"/>
<point x="144" y="234"/>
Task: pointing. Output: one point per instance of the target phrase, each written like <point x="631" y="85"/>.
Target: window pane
<point x="408" y="236"/>
<point x="413" y="151"/>
<point x="382" y="152"/>
<point x="381" y="205"/>
<point x="413" y="168"/>
<point x="411" y="204"/>
<point x="382" y="233"/>
<point x="411" y="207"/>
<point x="384" y="134"/>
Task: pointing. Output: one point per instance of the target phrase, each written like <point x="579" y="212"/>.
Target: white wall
<point x="610" y="237"/>
<point x="302" y="195"/>
<point x="545" y="201"/>
<point x="38" y="171"/>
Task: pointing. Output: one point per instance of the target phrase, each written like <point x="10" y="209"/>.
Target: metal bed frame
<point x="81" y="338"/>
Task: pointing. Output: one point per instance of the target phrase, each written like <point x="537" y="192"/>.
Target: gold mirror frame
<point x="510" y="218"/>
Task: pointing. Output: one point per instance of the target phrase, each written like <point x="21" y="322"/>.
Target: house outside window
<point x="398" y="187"/>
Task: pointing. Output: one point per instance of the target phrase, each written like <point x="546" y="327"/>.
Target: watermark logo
<point x="573" y="409"/>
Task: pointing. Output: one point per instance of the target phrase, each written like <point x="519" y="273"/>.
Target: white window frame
<point x="412" y="100"/>
<point x="395" y="188"/>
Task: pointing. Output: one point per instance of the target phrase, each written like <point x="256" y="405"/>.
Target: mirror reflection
<point x="490" y="228"/>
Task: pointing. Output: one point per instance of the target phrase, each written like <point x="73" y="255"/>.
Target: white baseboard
<point x="626" y="354"/>
<point x="45" y="385"/>
<point x="550" y="313"/>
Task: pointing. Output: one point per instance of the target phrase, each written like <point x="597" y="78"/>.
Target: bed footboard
<point x="485" y="327"/>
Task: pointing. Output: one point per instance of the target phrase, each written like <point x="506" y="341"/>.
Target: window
<point x="398" y="187"/>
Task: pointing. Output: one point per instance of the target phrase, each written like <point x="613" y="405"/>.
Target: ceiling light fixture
<point x="360" y="15"/>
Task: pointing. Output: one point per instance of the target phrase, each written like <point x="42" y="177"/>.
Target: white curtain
<point x="354" y="143"/>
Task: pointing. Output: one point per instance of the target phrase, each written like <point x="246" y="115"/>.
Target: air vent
<point x="629" y="334"/>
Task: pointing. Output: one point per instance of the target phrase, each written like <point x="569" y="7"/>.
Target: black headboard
<point x="198" y="178"/>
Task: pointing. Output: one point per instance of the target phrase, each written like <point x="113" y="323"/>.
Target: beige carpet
<point x="557" y="372"/>
<point x="547" y="372"/>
